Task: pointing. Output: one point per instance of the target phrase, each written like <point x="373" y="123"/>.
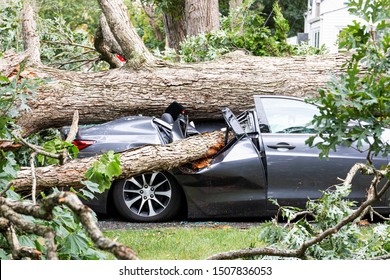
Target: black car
<point x="266" y="158"/>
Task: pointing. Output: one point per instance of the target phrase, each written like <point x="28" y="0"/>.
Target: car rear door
<point x="295" y="171"/>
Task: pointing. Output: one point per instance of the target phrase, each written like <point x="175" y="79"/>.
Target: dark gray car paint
<point x="120" y="135"/>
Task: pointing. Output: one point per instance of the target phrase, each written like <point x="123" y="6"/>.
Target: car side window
<point x="289" y="115"/>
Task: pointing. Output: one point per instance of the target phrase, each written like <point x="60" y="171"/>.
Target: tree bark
<point x="154" y="157"/>
<point x="117" y="16"/>
<point x="202" y="88"/>
<point x="29" y="31"/>
<point x="212" y="15"/>
<point x="106" y="44"/>
<point x="174" y="29"/>
<point x="149" y="10"/>
<point x="202" y="16"/>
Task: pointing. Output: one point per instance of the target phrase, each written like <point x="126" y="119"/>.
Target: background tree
<point x="292" y="10"/>
<point x="201" y="16"/>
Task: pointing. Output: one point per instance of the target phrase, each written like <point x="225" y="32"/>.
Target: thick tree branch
<point x="150" y="13"/>
<point x="71" y="136"/>
<point x="12" y="211"/>
<point x="155" y="157"/>
<point x="384" y="257"/>
<point x="11" y="62"/>
<point x="106" y="44"/>
<point x="135" y="52"/>
<point x="85" y="214"/>
<point x="19" y="252"/>
<point x="204" y="88"/>
<point x="19" y="222"/>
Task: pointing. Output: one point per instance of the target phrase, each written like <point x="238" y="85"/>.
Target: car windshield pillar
<point x="232" y="122"/>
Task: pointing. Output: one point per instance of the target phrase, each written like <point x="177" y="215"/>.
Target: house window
<point x="317" y="39"/>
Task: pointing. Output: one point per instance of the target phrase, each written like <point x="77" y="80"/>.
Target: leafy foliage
<point x="65" y="33"/>
<point x="141" y="20"/>
<point x="79" y="14"/>
<point x="67" y="48"/>
<point x="8" y="168"/>
<point x="14" y="94"/>
<point x="305" y="49"/>
<point x="10" y="28"/>
<point x="104" y="170"/>
<point x="354" y="107"/>
<point x="71" y="239"/>
<point x="293" y="11"/>
<point x="56" y="146"/>
<point x="244" y="28"/>
<point x="353" y="241"/>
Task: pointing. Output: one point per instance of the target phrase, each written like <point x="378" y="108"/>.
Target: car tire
<point x="148" y="197"/>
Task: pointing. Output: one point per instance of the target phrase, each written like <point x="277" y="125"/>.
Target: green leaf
<point x="4" y="80"/>
<point x="113" y="169"/>
<point x="104" y="170"/>
<point x="75" y="244"/>
<point x="8" y="168"/>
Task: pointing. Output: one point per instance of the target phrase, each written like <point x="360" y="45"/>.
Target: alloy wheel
<point x="148" y="194"/>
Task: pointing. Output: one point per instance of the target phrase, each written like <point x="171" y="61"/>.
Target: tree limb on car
<point x="143" y="159"/>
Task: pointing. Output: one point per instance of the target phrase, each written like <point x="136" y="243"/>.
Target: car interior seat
<point x="166" y="117"/>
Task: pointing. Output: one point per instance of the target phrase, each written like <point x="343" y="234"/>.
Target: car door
<point x="295" y="171"/>
<point x="234" y="183"/>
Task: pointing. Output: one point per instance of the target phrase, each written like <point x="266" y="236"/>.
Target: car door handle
<point x="281" y="146"/>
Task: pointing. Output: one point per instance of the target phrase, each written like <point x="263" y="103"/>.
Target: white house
<point x="324" y="20"/>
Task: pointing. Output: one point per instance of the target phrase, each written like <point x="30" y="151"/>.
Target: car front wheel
<point x="148" y="197"/>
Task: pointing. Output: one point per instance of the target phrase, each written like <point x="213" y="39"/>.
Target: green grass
<point x="185" y="243"/>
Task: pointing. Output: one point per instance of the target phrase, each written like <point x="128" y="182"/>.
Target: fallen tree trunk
<point x="203" y="88"/>
<point x="154" y="157"/>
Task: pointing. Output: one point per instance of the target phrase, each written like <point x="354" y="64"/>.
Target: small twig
<point x="68" y="44"/>
<point x="384" y="257"/>
<point x="75" y="61"/>
<point x="296" y="215"/>
<point x="372" y="192"/>
<point x="38" y="149"/>
<point x="71" y="135"/>
<point x="33" y="177"/>
<point x="380" y="215"/>
<point x="252" y="252"/>
<point x="6" y="189"/>
<point x="73" y="128"/>
<point x="86" y="62"/>
<point x="72" y="58"/>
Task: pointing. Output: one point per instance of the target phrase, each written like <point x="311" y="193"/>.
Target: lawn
<point x="185" y="243"/>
